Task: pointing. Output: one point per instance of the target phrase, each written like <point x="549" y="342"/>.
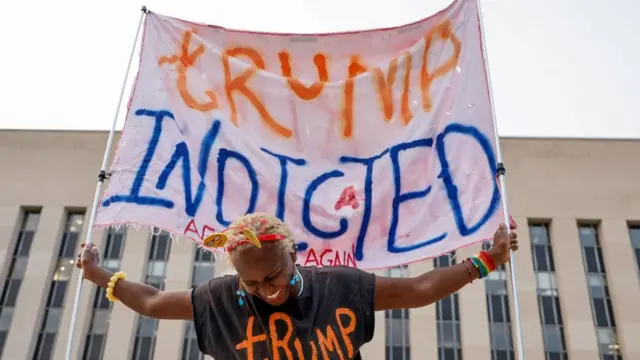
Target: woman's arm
<point x="141" y="298"/>
<point x="410" y="293"/>
<point x="407" y="293"/>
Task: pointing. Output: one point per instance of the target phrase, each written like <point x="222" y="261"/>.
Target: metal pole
<point x="101" y="177"/>
<point x="503" y="187"/>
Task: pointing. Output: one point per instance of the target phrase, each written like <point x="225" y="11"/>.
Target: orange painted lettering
<point x="444" y="32"/>
<point x="329" y="343"/>
<point x="239" y="84"/>
<point x="385" y="88"/>
<point x="273" y="332"/>
<point x="183" y="61"/>
<point x="298" y="346"/>
<point x="406" y="114"/>
<point x="355" y="69"/>
<point x="305" y="92"/>
<point x="346" y="330"/>
<point x="250" y="340"/>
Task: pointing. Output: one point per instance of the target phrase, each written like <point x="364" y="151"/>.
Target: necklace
<point x="301" y="282"/>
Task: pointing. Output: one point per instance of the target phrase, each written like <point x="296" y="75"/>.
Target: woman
<point x="275" y="309"/>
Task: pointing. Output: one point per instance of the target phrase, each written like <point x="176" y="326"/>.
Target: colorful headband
<point x="220" y="239"/>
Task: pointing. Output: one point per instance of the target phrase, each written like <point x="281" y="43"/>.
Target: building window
<point x="15" y="272"/>
<point x="634" y="233"/>
<point x="145" y="340"/>
<point x="97" y="334"/>
<point x="448" y="318"/>
<point x="202" y="272"/>
<point x="599" y="293"/>
<point x="498" y="313"/>
<point x="548" y="300"/>
<point x="58" y="288"/>
<point x="397" y="325"/>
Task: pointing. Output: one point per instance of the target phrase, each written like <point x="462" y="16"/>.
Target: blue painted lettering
<point x="368" y="198"/>
<point x="452" y="189"/>
<point x="284" y="176"/>
<point x="400" y="198"/>
<point x="223" y="156"/>
<point x="306" y="208"/>
<point x="194" y="196"/>
<point x="182" y="153"/>
<point x="134" y="197"/>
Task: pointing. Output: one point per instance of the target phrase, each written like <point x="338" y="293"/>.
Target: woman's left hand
<point x="503" y="243"/>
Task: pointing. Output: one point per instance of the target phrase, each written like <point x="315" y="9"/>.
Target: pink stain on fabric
<point x="347" y="198"/>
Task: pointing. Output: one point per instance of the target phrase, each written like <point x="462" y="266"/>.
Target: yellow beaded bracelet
<point x="112" y="284"/>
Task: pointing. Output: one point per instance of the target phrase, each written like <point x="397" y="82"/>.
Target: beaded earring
<point x="241" y="294"/>
<point x="295" y="279"/>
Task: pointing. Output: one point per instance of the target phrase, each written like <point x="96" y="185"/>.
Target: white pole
<point x="503" y="187"/>
<point x="101" y="177"/>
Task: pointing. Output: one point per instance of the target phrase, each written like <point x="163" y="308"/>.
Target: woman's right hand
<point x="141" y="298"/>
<point x="89" y="261"/>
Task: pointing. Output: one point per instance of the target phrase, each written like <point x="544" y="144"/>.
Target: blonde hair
<point x="260" y="224"/>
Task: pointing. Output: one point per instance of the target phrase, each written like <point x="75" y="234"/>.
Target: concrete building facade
<point x="577" y="203"/>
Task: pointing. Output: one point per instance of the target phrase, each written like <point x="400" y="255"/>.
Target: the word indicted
<point x="180" y="165"/>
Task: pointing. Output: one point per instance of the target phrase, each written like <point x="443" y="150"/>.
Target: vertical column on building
<point x="422" y="321"/>
<point x="11" y="221"/>
<point x="84" y="304"/>
<point x="474" y="329"/>
<point x="527" y="297"/>
<point x="376" y="348"/>
<point x="625" y="293"/>
<point x="171" y="333"/>
<point x="10" y="217"/>
<point x="447" y="316"/>
<point x="572" y="285"/>
<point x="60" y="286"/>
<point x="122" y="325"/>
<point x="397" y="323"/>
<point x="94" y="338"/>
<point x="27" y="317"/>
<point x="146" y="336"/>
<point x="549" y="309"/>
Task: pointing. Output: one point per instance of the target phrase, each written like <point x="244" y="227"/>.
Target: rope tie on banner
<point x="103" y="175"/>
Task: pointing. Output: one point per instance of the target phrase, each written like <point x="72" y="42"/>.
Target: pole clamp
<point x="103" y="175"/>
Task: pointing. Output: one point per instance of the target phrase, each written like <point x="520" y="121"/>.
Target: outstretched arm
<point x="407" y="293"/>
<point x="141" y="298"/>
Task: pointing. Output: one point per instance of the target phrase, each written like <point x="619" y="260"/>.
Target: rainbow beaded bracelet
<point x="483" y="263"/>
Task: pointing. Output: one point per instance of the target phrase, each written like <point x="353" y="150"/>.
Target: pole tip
<point x="144" y="9"/>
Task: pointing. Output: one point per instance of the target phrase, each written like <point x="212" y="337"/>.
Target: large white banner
<point x="376" y="147"/>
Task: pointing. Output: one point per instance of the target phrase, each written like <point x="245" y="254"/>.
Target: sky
<point x="559" y="68"/>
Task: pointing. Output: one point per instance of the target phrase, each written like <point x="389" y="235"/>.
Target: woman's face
<point x="266" y="272"/>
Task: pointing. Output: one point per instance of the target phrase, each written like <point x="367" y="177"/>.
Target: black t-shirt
<point x="331" y="319"/>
